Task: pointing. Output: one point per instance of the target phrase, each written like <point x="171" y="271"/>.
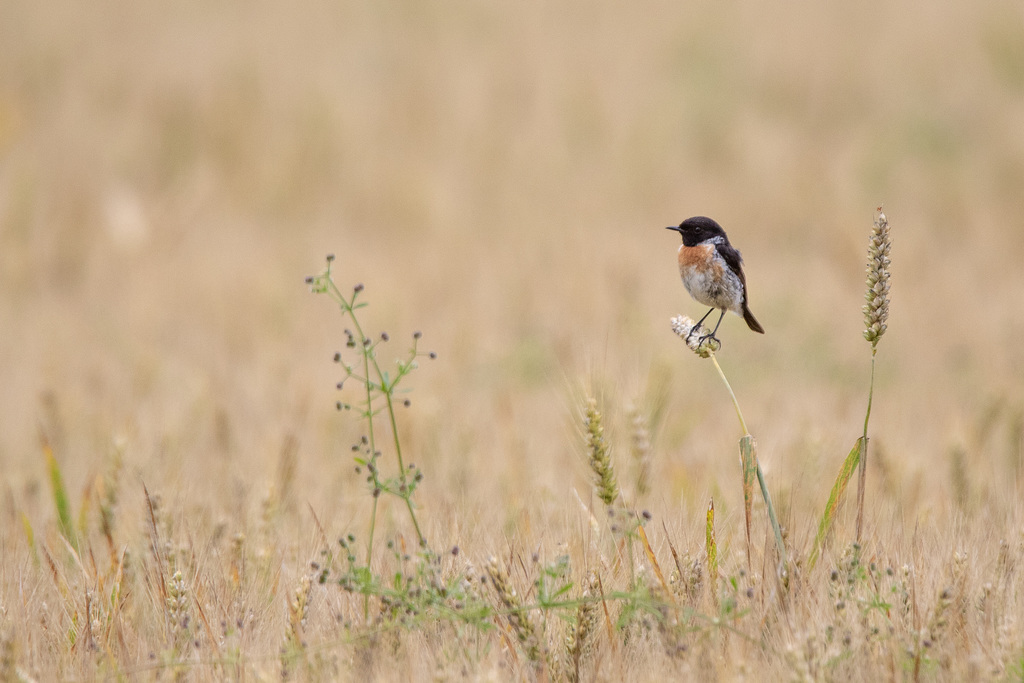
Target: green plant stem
<point x="401" y="469"/>
<point x="369" y="424"/>
<point x="771" y="515"/>
<point x="373" y="525"/>
<point x="735" y="403"/>
<point x="863" y="465"/>
<point x="760" y="474"/>
<point x="347" y="307"/>
<point x="370" y="358"/>
<point x="871" y="391"/>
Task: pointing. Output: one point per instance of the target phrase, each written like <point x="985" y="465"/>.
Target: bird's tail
<point x="751" y="320"/>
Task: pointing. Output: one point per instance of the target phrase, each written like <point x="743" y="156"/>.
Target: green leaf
<point x="748" y="460"/>
<point x="711" y="546"/>
<point x="363" y="579"/>
<point x="563" y="590"/>
<point x="835" y="498"/>
<point x="748" y="451"/>
<point x="60" y="497"/>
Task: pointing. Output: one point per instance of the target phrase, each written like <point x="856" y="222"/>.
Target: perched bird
<point x="712" y="271"/>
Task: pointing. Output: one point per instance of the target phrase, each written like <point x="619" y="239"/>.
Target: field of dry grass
<point x="498" y="176"/>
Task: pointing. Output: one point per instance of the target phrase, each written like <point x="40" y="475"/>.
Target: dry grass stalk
<point x="640" y="448"/>
<point x="8" y="659"/>
<point x="153" y="510"/>
<point x="653" y="561"/>
<point x="109" y="493"/>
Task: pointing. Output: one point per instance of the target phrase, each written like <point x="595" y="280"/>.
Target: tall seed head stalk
<point x="876" y="314"/>
<point x="600" y="463"/>
<point x="876" y="310"/>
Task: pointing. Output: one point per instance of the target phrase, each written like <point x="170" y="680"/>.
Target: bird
<point x="712" y="272"/>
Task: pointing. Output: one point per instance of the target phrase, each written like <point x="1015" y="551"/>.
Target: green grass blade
<point x="748" y="461"/>
<point x="752" y="446"/>
<point x="835" y="498"/>
<point x="711" y="545"/>
<point x="60" y="497"/>
<point x="30" y="537"/>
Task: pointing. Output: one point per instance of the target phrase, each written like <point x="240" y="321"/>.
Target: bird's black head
<point x="697" y="229"/>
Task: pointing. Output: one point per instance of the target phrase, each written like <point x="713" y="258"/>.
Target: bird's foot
<point x="712" y="337"/>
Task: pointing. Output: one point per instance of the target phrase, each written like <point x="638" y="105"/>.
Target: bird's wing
<point x="732" y="258"/>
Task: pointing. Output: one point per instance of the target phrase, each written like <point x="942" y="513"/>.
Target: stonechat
<point x="712" y="271"/>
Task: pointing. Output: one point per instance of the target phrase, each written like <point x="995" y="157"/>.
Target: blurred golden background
<point x="499" y="176"/>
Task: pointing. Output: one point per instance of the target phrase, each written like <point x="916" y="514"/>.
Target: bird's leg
<point x="713" y="332"/>
<point x="699" y="322"/>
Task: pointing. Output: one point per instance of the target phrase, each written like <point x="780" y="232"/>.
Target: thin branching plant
<point x="379" y="394"/>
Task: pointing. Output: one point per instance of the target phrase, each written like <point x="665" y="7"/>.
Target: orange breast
<point x="700" y="258"/>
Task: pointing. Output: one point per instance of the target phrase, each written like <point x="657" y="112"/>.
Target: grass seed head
<point x="600" y="462"/>
<point x="580" y="642"/>
<point x="176" y="610"/>
<point x="691" y="333"/>
<point x="298" y="611"/>
<point x="876" y="310"/>
<point x="512" y="604"/>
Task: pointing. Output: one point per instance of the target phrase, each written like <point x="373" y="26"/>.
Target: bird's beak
<point x="674" y="227"/>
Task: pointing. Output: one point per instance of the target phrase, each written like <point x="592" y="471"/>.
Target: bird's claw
<point x="704" y="337"/>
<point x="712" y="337"/>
